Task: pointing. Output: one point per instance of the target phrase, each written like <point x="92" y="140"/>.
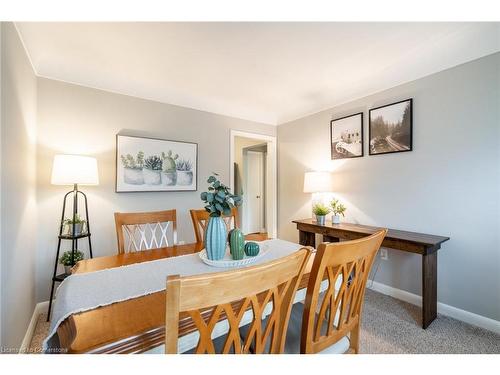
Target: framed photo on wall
<point x="390" y="129"/>
<point x="151" y="164"/>
<point x="346" y="136"/>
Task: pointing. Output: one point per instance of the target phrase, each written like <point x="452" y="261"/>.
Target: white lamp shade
<point x="74" y="169"/>
<point x="318" y="182"/>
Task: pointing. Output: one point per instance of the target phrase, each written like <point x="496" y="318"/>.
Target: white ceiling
<point x="266" y="72"/>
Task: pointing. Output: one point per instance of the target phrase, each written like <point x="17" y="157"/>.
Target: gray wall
<point x="80" y="120"/>
<point x="18" y="194"/>
<point x="448" y="185"/>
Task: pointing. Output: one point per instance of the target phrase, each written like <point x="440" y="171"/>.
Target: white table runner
<point x="87" y="291"/>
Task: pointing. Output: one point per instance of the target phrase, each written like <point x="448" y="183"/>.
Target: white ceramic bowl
<point x="229" y="262"/>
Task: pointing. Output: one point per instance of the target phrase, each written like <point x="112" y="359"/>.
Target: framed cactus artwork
<point x="151" y="164"/>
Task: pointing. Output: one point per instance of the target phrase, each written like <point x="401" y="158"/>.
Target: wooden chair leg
<point x="354" y="338"/>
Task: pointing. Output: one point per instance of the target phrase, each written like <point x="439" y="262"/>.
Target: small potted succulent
<point x="321" y="210"/>
<point x="152" y="170"/>
<point x="219" y="201"/>
<point x="337" y="210"/>
<point x="76" y="223"/>
<point x="184" y="172"/>
<point x="132" y="168"/>
<point x="169" y="172"/>
<point x="65" y="260"/>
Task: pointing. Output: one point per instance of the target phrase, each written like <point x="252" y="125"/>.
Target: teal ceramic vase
<point x="215" y="238"/>
<point x="237" y="244"/>
<point x="251" y="249"/>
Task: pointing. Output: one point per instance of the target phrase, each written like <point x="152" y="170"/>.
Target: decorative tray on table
<point x="229" y="262"/>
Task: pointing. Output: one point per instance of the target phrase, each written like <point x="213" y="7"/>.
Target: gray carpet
<point x="392" y="326"/>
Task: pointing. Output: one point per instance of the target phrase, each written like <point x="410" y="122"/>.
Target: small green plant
<point x="337" y="207"/>
<point x="128" y="161"/>
<point x="65" y="259"/>
<point x="77" y="220"/>
<point x="169" y="161"/>
<point x="320" y="209"/>
<point x="153" y="163"/>
<point x="184" y="165"/>
<point x="218" y="198"/>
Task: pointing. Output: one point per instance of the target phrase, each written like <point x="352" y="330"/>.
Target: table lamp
<point x="320" y="185"/>
<point x="72" y="170"/>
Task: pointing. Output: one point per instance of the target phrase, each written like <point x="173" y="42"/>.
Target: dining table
<point x="134" y="325"/>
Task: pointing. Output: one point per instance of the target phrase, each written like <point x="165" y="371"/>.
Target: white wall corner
<point x="444" y="309"/>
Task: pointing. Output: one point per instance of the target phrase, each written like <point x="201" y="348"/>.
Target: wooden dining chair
<point x="331" y="320"/>
<point x="200" y="221"/>
<point x="207" y="299"/>
<point x="145" y="230"/>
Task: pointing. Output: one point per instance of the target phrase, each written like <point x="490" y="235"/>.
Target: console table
<point x="426" y="245"/>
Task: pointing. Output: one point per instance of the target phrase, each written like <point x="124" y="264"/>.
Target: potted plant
<point x="65" y="260"/>
<point x="184" y="172"/>
<point x="219" y="201"/>
<point x="321" y="210"/>
<point x="75" y="222"/>
<point x="132" y="168"/>
<point x="152" y="170"/>
<point x="337" y="210"/>
<point x="169" y="173"/>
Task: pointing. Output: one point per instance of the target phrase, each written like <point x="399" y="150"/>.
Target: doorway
<point x="253" y="176"/>
<point x="254" y="167"/>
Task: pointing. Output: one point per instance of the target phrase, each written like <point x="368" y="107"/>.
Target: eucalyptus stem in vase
<point x="219" y="201"/>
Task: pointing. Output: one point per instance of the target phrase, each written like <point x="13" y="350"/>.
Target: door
<point x="254" y="212"/>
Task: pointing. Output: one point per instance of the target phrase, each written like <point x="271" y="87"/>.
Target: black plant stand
<point x="73" y="237"/>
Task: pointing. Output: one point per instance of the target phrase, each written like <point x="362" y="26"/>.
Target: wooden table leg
<point x="307" y="238"/>
<point x="330" y="239"/>
<point x="429" y="288"/>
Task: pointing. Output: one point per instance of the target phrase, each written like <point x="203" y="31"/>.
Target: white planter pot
<point x="133" y="176"/>
<point x="67" y="270"/>
<point x="321" y="219"/>
<point x="169" y="178"/>
<point x="151" y="177"/>
<point x="336" y="219"/>
<point x="79" y="229"/>
<point x="184" y="178"/>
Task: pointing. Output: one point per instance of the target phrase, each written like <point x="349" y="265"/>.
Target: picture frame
<point x="346" y="137"/>
<point x="390" y="128"/>
<point x="146" y="164"/>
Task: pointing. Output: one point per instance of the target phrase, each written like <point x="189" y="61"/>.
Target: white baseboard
<point x="453" y="312"/>
<point x="39" y="308"/>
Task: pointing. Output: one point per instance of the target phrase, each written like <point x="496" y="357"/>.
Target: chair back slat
<point x="336" y="313"/>
<point x="200" y="220"/>
<point x="261" y="296"/>
<point x="138" y="231"/>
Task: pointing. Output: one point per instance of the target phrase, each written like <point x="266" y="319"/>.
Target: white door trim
<point x="271" y="175"/>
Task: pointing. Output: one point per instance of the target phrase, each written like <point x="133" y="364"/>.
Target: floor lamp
<point x="72" y="170"/>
